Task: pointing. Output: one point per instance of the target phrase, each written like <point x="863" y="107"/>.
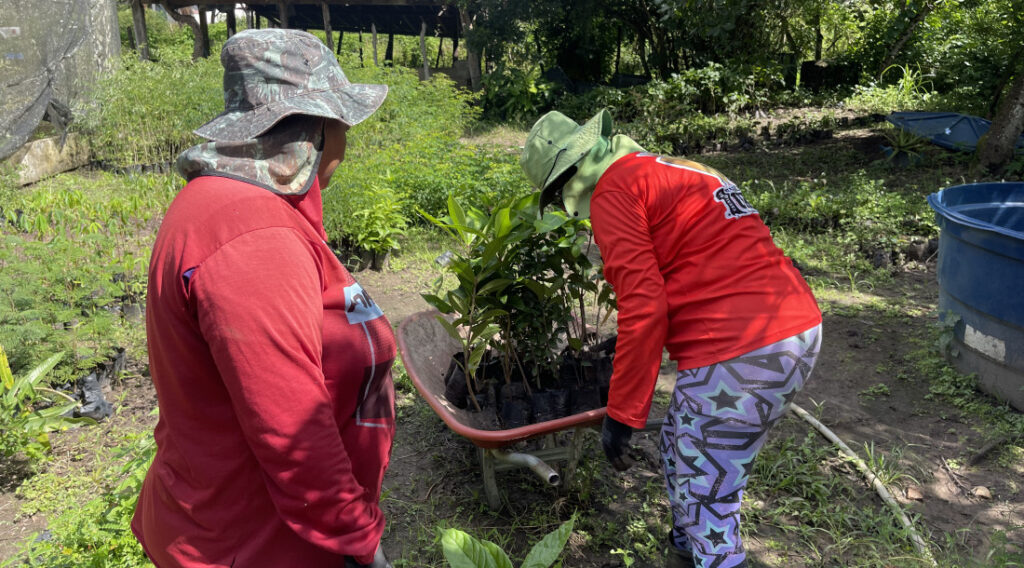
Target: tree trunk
<point x="423" y="50"/>
<point x="232" y="24"/>
<point x="325" y="10"/>
<point x="373" y="33"/>
<point x="643" y="57"/>
<point x="197" y="40"/>
<point x="819" y="38"/>
<point x="204" y="33"/>
<point x="996" y="148"/>
<point x="472" y="52"/>
<point x="139" y="29"/>
<point x="282" y="14"/>
<point x="907" y="34"/>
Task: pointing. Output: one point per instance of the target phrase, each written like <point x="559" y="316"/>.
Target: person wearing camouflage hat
<point x="695" y="271"/>
<point x="272" y="365"/>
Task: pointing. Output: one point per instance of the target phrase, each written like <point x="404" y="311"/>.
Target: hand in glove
<point x="379" y="561"/>
<point x="615" y="439"/>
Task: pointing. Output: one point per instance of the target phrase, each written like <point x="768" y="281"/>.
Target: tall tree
<point x="997" y="147"/>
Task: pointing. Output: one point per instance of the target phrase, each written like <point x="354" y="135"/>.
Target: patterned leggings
<point x="714" y="429"/>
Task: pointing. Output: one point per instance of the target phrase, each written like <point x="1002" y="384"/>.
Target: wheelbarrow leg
<point x="575" y="451"/>
<point x="490" y="481"/>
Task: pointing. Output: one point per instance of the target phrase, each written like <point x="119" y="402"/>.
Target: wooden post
<point x="423" y="49"/>
<point x="440" y="44"/>
<point x="256" y="21"/>
<point x="326" y="11"/>
<point x="204" y="32"/>
<point x="282" y="14"/>
<point x="232" y="25"/>
<point x="389" y="51"/>
<point x="361" y="49"/>
<point x="139" y="29"/>
<point x="249" y="20"/>
<point x="341" y="37"/>
<point x="373" y="30"/>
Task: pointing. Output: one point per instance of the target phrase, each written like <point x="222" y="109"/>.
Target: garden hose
<point x="872" y="479"/>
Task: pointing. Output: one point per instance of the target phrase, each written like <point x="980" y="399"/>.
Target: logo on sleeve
<point x="735" y="204"/>
<point x="359" y="307"/>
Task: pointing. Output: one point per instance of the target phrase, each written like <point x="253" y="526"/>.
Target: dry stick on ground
<point x="873" y="480"/>
<point x="955" y="478"/>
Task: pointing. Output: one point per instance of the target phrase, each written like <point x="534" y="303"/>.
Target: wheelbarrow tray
<point x="426" y="349"/>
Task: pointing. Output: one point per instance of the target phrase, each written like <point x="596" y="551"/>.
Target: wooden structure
<point x="402" y="17"/>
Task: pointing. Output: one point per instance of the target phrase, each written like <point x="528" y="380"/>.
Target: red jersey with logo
<point x="694" y="270"/>
<point x="273" y="371"/>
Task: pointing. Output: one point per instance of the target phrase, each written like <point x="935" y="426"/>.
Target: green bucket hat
<point x="270" y="74"/>
<point x="557" y="143"/>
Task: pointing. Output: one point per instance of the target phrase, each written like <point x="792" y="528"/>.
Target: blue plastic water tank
<point x="980" y="273"/>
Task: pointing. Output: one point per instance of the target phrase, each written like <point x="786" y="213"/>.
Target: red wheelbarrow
<point x="426" y="350"/>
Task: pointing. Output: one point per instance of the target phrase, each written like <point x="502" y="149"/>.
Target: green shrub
<point x="364" y="215"/>
<point x="412" y="109"/>
<point x="75" y="250"/>
<point x="24" y="425"/>
<point x="96" y="534"/>
<point x="859" y="212"/>
<point x="517" y="95"/>
<point x="408" y="157"/>
<point x="691" y="134"/>
<point x="144" y="112"/>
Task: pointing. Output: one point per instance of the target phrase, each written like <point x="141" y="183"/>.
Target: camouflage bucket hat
<point x="273" y="73"/>
<point x="557" y="143"/>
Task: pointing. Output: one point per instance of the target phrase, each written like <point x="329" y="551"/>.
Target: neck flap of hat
<point x="283" y="161"/>
<point x="577" y="191"/>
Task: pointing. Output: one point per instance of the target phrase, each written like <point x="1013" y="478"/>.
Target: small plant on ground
<point x="30" y="411"/>
<point x="462" y="550"/>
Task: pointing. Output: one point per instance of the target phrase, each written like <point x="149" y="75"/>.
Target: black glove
<point x="615" y="439"/>
<point x="379" y="561"/>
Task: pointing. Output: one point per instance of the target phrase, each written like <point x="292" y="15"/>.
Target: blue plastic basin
<point x="980" y="272"/>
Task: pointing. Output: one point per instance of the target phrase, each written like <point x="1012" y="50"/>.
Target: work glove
<point x="615" y="440"/>
<point x="379" y="561"/>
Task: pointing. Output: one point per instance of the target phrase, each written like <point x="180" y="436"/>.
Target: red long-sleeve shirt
<point x="272" y="369"/>
<point x="694" y="270"/>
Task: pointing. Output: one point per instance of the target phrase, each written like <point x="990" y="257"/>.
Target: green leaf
<point x="537" y="288"/>
<point x="438" y="303"/>
<point x="502" y="222"/>
<point x="6" y="377"/>
<point x="546" y="552"/>
<point x="458" y="216"/>
<point x="549" y="222"/>
<point x="463" y="551"/>
<point x="496" y="285"/>
<point x="451" y="329"/>
<point x="22" y="388"/>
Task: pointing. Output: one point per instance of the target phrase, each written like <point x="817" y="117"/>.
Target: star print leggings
<point x="716" y="425"/>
